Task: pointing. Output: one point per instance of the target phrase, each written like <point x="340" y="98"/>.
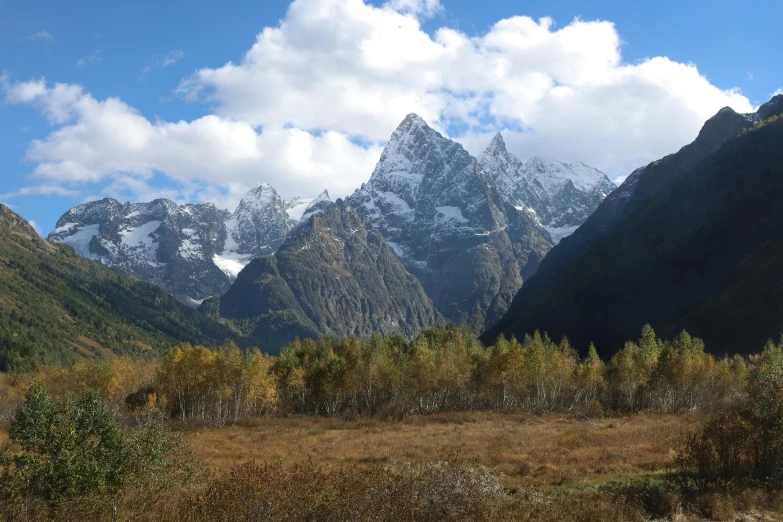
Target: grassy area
<point x="551" y="467"/>
<point x="529" y="450"/>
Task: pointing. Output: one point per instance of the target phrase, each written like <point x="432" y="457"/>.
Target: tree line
<point x="443" y="369"/>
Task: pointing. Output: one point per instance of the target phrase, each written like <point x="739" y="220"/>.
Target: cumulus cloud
<point x="210" y="158"/>
<point x="334" y="74"/>
<point x="564" y="93"/>
<point x="779" y="91"/>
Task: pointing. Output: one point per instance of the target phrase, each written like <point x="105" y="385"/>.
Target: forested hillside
<point x="56" y="306"/>
<point x="699" y="248"/>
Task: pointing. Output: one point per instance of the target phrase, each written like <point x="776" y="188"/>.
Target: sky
<point x="200" y="101"/>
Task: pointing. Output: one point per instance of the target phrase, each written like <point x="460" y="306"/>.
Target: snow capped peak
<point x="412" y="120"/>
<point x="562" y="195"/>
<point x="261" y="195"/>
<point x="413" y="133"/>
<point x="497" y="145"/>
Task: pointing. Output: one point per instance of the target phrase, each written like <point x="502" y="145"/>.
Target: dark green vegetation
<point x="334" y="275"/>
<point x="697" y="246"/>
<point x="56" y="306"/>
<point x="60" y="453"/>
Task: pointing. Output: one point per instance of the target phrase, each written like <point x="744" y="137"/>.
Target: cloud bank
<point x="310" y="104"/>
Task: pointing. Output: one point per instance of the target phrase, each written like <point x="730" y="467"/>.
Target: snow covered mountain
<point x="440" y="213"/>
<point x="562" y="195"/>
<point x="191" y="251"/>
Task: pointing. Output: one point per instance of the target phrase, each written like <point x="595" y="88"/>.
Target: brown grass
<point x="548" y="450"/>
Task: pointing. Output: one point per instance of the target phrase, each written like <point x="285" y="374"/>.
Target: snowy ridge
<point x="191" y="251"/>
<point x="562" y="195"/>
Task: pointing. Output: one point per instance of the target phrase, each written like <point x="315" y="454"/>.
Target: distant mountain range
<point x="692" y="241"/>
<point x="191" y="251"/>
<point x="469" y="231"/>
<point x="56" y="307"/>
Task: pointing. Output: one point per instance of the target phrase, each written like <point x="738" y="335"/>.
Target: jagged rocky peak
<point x="259" y="224"/>
<point x="418" y="162"/>
<point x="13" y="221"/>
<point x="562" y="195"/>
<point x="438" y="211"/>
<point x="496" y="146"/>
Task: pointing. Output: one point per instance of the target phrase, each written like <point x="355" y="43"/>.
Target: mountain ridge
<point x="334" y="275"/>
<point x="656" y="259"/>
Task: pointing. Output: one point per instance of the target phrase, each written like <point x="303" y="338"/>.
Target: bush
<point x="746" y="447"/>
<point x="66" y="457"/>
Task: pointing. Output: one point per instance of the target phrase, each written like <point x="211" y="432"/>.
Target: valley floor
<point x="529" y="450"/>
<point x="552" y="467"/>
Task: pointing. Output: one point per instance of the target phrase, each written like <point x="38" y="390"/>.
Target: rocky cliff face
<point x="562" y="195"/>
<point x="191" y="251"/>
<point x="440" y="213"/>
<point x="334" y="275"/>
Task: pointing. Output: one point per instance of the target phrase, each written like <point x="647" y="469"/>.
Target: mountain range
<point x="504" y="245"/>
<point x="469" y="231"/>
<point x="191" y="251"/>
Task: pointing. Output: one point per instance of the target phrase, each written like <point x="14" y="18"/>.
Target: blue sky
<point x="146" y="55"/>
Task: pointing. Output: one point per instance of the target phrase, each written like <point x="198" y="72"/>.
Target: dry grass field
<point x="529" y="450"/>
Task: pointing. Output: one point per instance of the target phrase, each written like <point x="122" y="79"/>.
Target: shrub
<point x="75" y="454"/>
<point x="744" y="447"/>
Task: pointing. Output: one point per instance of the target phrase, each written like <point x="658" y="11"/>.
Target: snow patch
<point x="231" y="263"/>
<point x="398" y="250"/>
<point x="452" y="213"/>
<point x="558" y="233"/>
<point x="140" y="240"/>
<point x="80" y="240"/>
<point x="297" y="207"/>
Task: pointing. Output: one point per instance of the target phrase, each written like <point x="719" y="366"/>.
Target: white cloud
<point x="337" y="72"/>
<point x="348" y="66"/>
<point x="94" y="57"/>
<point x="40" y="35"/>
<point x="42" y="189"/>
<point x="172" y="57"/>
<point x="776" y="93"/>
<point x="210" y="157"/>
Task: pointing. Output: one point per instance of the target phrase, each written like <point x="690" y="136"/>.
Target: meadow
<point x="437" y="428"/>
